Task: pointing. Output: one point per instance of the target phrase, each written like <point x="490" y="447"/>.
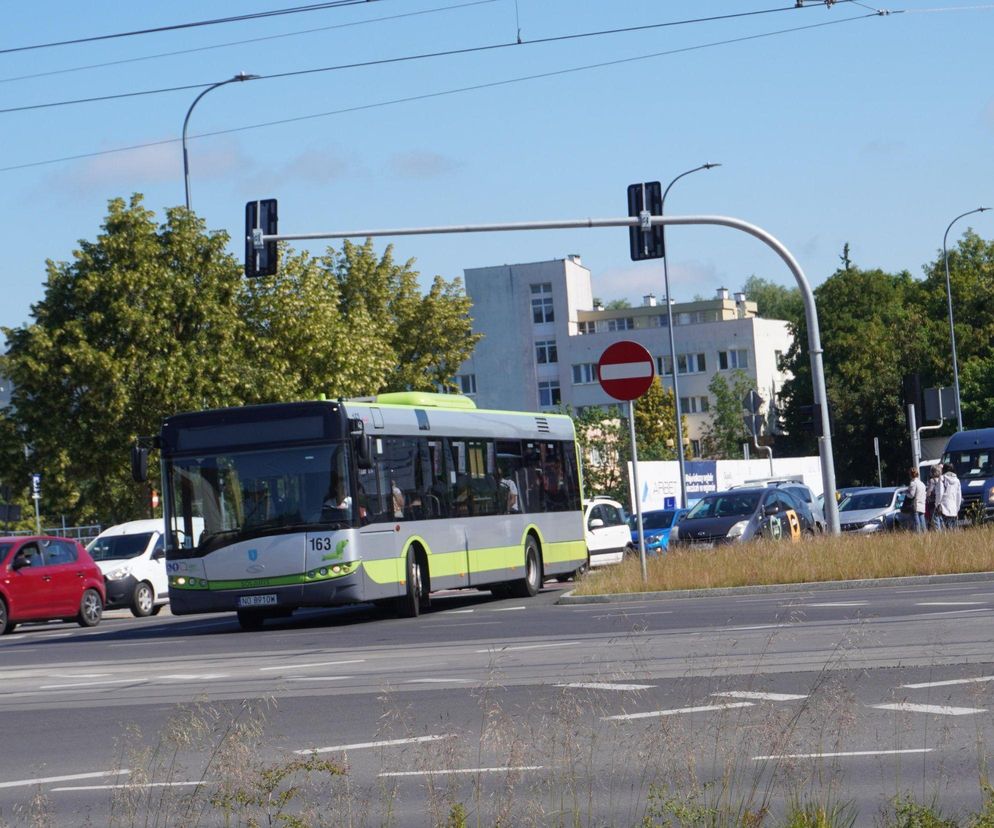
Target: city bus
<point x="388" y="499"/>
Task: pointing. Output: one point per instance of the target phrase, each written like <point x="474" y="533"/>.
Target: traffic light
<point x="646" y="244"/>
<point x="260" y="220"/>
<point x="809" y="419"/>
<point x="912" y="391"/>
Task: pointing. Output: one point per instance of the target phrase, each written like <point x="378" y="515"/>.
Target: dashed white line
<point x="439" y="681"/>
<point x="841" y="754"/>
<point x="836" y="604"/>
<point x="450" y="771"/>
<point x="316" y="664"/>
<point x="44" y="780"/>
<point x="528" y="647"/>
<point x="758" y="696"/>
<point x="705" y="708"/>
<point x="92" y="683"/>
<point x="457" y="612"/>
<point x="317" y="678"/>
<point x="414" y="740"/>
<point x="949" y="682"/>
<point x="134" y="786"/>
<point x="598" y="685"/>
<point x="508" y="609"/>
<point x="194" y="676"/>
<point x="938" y="709"/>
<point x="950" y="603"/>
<point x="631" y="614"/>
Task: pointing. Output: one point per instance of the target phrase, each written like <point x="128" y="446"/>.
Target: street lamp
<point x="949" y="302"/>
<point x="241" y="76"/>
<point x="669" y="318"/>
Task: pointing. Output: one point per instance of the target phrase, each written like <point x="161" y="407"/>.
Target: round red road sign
<point x="626" y="370"/>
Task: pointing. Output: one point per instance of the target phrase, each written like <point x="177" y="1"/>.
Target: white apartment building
<point x="542" y="339"/>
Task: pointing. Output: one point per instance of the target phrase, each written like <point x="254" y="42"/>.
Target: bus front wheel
<point x="410" y="604"/>
<point x="532" y="582"/>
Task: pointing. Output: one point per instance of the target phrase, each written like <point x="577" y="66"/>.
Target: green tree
<point x="142" y="323"/>
<point x="870" y="323"/>
<point x="774" y="301"/>
<point x="725" y="431"/>
<point x="655" y="423"/>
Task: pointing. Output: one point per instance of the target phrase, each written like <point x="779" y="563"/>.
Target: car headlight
<point x="738" y="529"/>
<point x="877" y="521"/>
<point x="118" y="574"/>
<point x="674" y="533"/>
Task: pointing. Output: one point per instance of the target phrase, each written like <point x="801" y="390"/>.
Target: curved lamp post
<point x="241" y="76"/>
<point x="669" y="321"/>
<point x="949" y="302"/>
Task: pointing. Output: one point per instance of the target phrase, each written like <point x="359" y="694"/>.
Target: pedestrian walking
<point x="933" y="494"/>
<point x="949" y="504"/>
<point x="916" y="494"/>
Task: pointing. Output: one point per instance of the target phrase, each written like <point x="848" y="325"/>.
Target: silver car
<point x="871" y="510"/>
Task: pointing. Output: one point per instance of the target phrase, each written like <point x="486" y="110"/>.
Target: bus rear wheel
<point x="532" y="582"/>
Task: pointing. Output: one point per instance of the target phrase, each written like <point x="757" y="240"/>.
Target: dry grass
<point x="881" y="555"/>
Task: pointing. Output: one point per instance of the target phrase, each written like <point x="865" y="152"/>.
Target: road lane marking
<point x="948" y="682"/>
<point x="449" y="771"/>
<point x="630" y="614"/>
<point x="439" y="681"/>
<point x="317" y="678"/>
<point x="841" y="753"/>
<point x="508" y="609"/>
<point x="527" y="647"/>
<point x="761" y="627"/>
<point x="939" y="709"/>
<point x="949" y="603"/>
<point x="44" y="780"/>
<point x="414" y="740"/>
<point x="79" y="675"/>
<point x="133" y="786"/>
<point x="316" y="664"/>
<point x="705" y="708"/>
<point x="749" y="694"/>
<point x="92" y="683"/>
<point x="468" y="624"/>
<point x="456" y="612"/>
<point x="194" y="677"/>
<point x="836" y="604"/>
<point x="597" y="685"/>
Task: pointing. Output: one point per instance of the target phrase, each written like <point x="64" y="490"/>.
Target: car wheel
<point x="532" y="582"/>
<point x="143" y="601"/>
<point x="91" y="609"/>
<point x="5" y="625"/>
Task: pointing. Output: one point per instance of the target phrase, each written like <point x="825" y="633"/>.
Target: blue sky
<point x="875" y="130"/>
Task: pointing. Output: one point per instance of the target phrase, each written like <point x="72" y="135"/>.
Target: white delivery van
<point x="132" y="558"/>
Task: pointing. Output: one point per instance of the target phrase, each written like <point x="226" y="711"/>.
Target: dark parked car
<point x="46" y="578"/>
<point x="740" y="515"/>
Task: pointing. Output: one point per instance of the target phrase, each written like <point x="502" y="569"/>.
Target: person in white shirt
<point x="952" y="497"/>
<point x="916" y="494"/>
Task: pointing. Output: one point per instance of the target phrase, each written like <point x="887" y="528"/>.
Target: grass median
<point x="825" y="558"/>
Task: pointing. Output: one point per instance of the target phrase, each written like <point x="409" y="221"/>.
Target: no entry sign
<point x="626" y="370"/>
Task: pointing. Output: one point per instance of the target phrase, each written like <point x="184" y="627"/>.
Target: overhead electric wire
<point x="423" y="56"/>
<point x="73" y="69"/>
<point x="179" y="26"/>
<point x="444" y="93"/>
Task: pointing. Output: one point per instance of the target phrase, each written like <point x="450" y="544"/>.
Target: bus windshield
<point x="974" y="464"/>
<point x="242" y="494"/>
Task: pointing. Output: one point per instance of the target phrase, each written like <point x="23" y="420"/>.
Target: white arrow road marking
<point x="386" y="743"/>
<point x="706" y="708"/>
<point x="941" y="710"/>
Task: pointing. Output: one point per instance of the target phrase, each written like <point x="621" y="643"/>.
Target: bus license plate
<point x="256" y="600"/>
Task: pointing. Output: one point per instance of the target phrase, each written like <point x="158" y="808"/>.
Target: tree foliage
<point x="774" y="301"/>
<point x="150" y="320"/>
<point x="725" y="431"/>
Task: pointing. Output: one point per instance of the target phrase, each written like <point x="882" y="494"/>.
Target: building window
<point x="548" y="393"/>
<point x="739" y="358"/>
<point x="586" y="327"/>
<point x="467" y="383"/>
<point x="695" y="448"/>
<point x="691" y="363"/>
<point x="542" y="310"/>
<point x="694" y="405"/>
<point x="695" y="317"/>
<point x="584" y="373"/>
<point x="545" y="352"/>
<point x="626" y="323"/>
<point x="664" y="366"/>
<point x="660" y="321"/>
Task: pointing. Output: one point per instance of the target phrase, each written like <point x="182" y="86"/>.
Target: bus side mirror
<point x="362" y="443"/>
<point x="139" y="464"/>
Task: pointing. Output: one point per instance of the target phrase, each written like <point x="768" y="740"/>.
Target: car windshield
<point x="975" y="464"/>
<point x="653" y="520"/>
<point x="729" y="504"/>
<point x="118" y="547"/>
<point x="866" y="500"/>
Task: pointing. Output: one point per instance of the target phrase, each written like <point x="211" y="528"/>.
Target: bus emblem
<point x="253" y="554"/>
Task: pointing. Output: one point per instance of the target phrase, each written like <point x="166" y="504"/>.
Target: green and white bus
<point x="324" y="503"/>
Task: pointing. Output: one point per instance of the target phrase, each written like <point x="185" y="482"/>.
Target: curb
<point x="765" y="589"/>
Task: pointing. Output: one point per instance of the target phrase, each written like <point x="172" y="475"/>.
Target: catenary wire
<point x="442" y="93"/>
<point x="178" y="26"/>
<point x="405" y="58"/>
<point x="74" y="69"/>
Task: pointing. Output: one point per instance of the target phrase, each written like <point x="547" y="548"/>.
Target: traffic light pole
<point x="807" y="295"/>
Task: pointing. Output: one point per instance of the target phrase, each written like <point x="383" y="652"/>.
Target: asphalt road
<point x="523" y="710"/>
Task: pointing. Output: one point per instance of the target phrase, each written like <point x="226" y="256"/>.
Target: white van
<point x="132" y="558"/>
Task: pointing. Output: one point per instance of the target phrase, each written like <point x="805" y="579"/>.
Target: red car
<point x="46" y="578"/>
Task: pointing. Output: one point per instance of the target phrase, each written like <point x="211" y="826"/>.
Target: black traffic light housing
<point x="260" y="220"/>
